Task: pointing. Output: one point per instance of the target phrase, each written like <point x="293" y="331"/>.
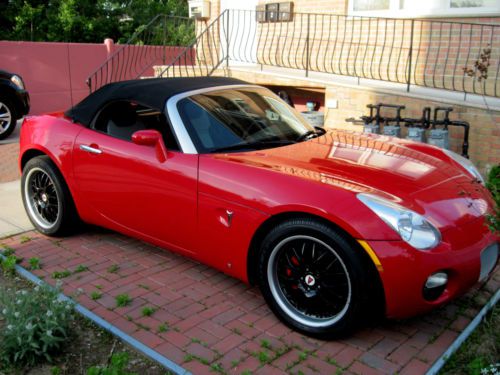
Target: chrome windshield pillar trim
<point x="185" y="141"/>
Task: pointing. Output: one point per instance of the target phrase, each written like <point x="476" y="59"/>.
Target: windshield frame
<point x="173" y="114"/>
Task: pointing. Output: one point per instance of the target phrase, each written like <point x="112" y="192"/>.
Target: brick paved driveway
<point x="207" y="321"/>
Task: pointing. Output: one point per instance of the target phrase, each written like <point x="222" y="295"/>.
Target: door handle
<point x="92" y="150"/>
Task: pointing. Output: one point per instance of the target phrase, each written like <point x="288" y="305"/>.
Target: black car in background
<point x="14" y="102"/>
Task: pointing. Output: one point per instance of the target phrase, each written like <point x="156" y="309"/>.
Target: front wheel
<point x="312" y="278"/>
<point x="46" y="198"/>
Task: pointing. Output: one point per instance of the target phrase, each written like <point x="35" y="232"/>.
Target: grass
<point x="81" y="268"/>
<point x="95" y="295"/>
<point x="148" y="311"/>
<point x="61" y="274"/>
<point x="114" y="268"/>
<point x="480" y="353"/>
<point x="162" y="328"/>
<point x="34" y="263"/>
<point x="7" y="250"/>
<point x="123" y="300"/>
<point x="25" y="239"/>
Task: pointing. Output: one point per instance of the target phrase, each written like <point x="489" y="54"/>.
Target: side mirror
<point x="151" y="138"/>
<point x="146" y="137"/>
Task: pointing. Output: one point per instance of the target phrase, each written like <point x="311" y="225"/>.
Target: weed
<point x="188" y="357"/>
<point x="95" y="295"/>
<point x="34" y="263"/>
<point x="144" y="286"/>
<point x="98" y="286"/>
<point x="7" y="250"/>
<point x="217" y="367"/>
<point x="236" y="331"/>
<point x="148" y="311"/>
<point x="265" y="344"/>
<point x="123" y="300"/>
<point x="143" y="326"/>
<point x="25" y="239"/>
<point x="163" y="328"/>
<point x="81" y="268"/>
<point x="9" y="264"/>
<point x="119" y="362"/>
<point x="114" y="268"/>
<point x="61" y="274"/>
<point x="55" y="370"/>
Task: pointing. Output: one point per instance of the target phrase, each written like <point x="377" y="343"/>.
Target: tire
<point x="8" y="117"/>
<point x="312" y="278"/>
<point x="47" y="199"/>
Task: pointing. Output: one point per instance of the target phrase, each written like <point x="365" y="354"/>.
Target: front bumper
<point x="405" y="269"/>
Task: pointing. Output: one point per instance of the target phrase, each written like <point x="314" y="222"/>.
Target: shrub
<point x="36" y="325"/>
<point x="493" y="184"/>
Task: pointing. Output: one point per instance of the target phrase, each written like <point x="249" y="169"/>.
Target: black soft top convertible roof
<point x="152" y="92"/>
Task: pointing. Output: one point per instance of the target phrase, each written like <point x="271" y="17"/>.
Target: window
<point x="240" y="119"/>
<point x="424" y="8"/>
<point x="121" y="119"/>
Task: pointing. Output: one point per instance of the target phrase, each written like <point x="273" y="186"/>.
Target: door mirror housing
<point x="153" y="138"/>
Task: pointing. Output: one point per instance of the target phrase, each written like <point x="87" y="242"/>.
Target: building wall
<point x="55" y="73"/>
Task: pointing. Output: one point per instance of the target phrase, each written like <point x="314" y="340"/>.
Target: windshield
<point x="245" y="118"/>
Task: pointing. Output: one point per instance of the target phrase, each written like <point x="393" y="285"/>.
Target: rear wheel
<point x="312" y="278"/>
<point x="8" y="117"/>
<point x="46" y="197"/>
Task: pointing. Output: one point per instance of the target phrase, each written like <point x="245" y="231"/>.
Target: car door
<point x="128" y="188"/>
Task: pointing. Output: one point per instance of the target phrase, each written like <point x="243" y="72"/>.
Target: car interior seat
<point x="123" y="121"/>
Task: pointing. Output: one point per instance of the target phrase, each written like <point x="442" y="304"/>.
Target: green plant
<point x="98" y="286"/>
<point x="148" y="311"/>
<point x="55" y="370"/>
<point x="61" y="274"/>
<point x="81" y="268"/>
<point x="36" y="325"/>
<point x="25" y="239"/>
<point x="163" y="328"/>
<point x="7" y="250"/>
<point x="265" y="344"/>
<point x="114" y="268"/>
<point x="123" y="300"/>
<point x="34" y="263"/>
<point x="95" y="295"/>
<point x="217" y="367"/>
<point x="9" y="264"/>
<point x="493" y="184"/>
<point x="119" y="362"/>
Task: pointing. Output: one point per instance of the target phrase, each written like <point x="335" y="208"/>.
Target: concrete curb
<point x="139" y="346"/>
<point x="441" y="361"/>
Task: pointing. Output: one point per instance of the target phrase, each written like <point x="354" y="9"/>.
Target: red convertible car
<point x="332" y="225"/>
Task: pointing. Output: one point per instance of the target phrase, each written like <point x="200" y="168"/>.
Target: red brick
<point x="346" y="356"/>
<point x="176" y="338"/>
<point x="362" y="369"/>
<point x="200" y="351"/>
<point x="148" y="338"/>
<point x="379" y="363"/>
<point x="403" y="354"/>
<point x="229" y="343"/>
<point x="171" y="351"/>
<point x="415" y="367"/>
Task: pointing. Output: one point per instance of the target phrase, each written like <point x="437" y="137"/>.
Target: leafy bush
<point x="117" y="366"/>
<point x="36" y="325"/>
<point x="493" y="184"/>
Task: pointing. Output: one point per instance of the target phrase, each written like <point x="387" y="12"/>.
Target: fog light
<point x="435" y="285"/>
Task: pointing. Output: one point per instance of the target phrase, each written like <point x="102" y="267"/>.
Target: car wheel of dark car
<point x="8" y="117"/>
<point x="46" y="197"/>
<point x="312" y="278"/>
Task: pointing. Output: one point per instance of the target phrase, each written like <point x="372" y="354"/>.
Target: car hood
<point x="418" y="176"/>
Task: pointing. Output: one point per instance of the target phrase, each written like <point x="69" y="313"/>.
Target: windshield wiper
<point x="310" y="133"/>
<point x="258" y="145"/>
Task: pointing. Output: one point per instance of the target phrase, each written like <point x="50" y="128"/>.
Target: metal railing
<point x="159" y="42"/>
<point x="206" y="53"/>
<point x="438" y="54"/>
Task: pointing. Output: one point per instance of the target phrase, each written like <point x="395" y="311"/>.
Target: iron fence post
<point x="307" y="45"/>
<point x="227" y="38"/>
<point x="410" y="56"/>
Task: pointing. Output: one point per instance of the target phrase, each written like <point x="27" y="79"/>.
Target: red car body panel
<point x="184" y="202"/>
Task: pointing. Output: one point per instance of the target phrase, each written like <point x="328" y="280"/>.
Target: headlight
<point x="16" y="80"/>
<point x="412" y="227"/>
<point x="466" y="163"/>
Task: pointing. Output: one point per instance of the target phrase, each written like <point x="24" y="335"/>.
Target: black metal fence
<point x="157" y="43"/>
<point x="438" y="54"/>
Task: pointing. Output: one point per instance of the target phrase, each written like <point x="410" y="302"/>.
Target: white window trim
<point x="445" y="12"/>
